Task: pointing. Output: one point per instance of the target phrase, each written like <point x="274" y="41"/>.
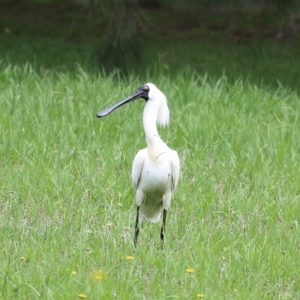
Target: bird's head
<point x="158" y="101"/>
<point x="152" y="95"/>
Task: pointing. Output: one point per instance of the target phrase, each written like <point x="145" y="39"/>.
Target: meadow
<point x="67" y="207"/>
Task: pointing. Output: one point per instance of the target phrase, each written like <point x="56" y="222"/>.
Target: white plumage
<point x="155" y="169"/>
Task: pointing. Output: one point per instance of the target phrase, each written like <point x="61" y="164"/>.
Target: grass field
<point x="67" y="208"/>
<point x="239" y="44"/>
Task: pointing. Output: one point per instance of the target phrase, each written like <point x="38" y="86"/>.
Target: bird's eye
<point x="146" y="88"/>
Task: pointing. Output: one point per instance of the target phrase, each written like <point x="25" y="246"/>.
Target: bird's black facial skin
<point x="142" y="92"/>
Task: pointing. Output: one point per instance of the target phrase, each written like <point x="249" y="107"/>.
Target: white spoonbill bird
<point x="155" y="169"/>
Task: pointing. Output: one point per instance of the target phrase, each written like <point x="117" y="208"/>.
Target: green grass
<point x="66" y="201"/>
<point x="239" y="44"/>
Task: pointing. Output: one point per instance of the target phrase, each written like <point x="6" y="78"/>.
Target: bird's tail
<point x="150" y="213"/>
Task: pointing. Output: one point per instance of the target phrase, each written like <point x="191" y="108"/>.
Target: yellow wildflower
<point x="200" y="295"/>
<point x="73" y="272"/>
<point x="82" y="295"/>
<point x="129" y="257"/>
<point x="24" y="258"/>
<point x="98" y="275"/>
<point x="190" y="270"/>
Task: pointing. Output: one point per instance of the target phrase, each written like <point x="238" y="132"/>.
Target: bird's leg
<point x="136" y="230"/>
<point x="163" y="227"/>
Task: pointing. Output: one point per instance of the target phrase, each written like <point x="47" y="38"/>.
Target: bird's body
<point x="155" y="169"/>
<point x="153" y="178"/>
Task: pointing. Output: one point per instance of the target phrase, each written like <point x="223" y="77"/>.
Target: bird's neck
<point x="152" y="137"/>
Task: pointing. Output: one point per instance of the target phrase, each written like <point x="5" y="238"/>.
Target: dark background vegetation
<point x="257" y="40"/>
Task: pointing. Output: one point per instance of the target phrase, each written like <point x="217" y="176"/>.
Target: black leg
<point x="163" y="227"/>
<point x="136" y="230"/>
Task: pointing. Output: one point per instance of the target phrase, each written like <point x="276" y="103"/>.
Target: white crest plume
<point x="163" y="114"/>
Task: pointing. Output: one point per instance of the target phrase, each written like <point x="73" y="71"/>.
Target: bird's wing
<point x="175" y="170"/>
<point x="137" y="167"/>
